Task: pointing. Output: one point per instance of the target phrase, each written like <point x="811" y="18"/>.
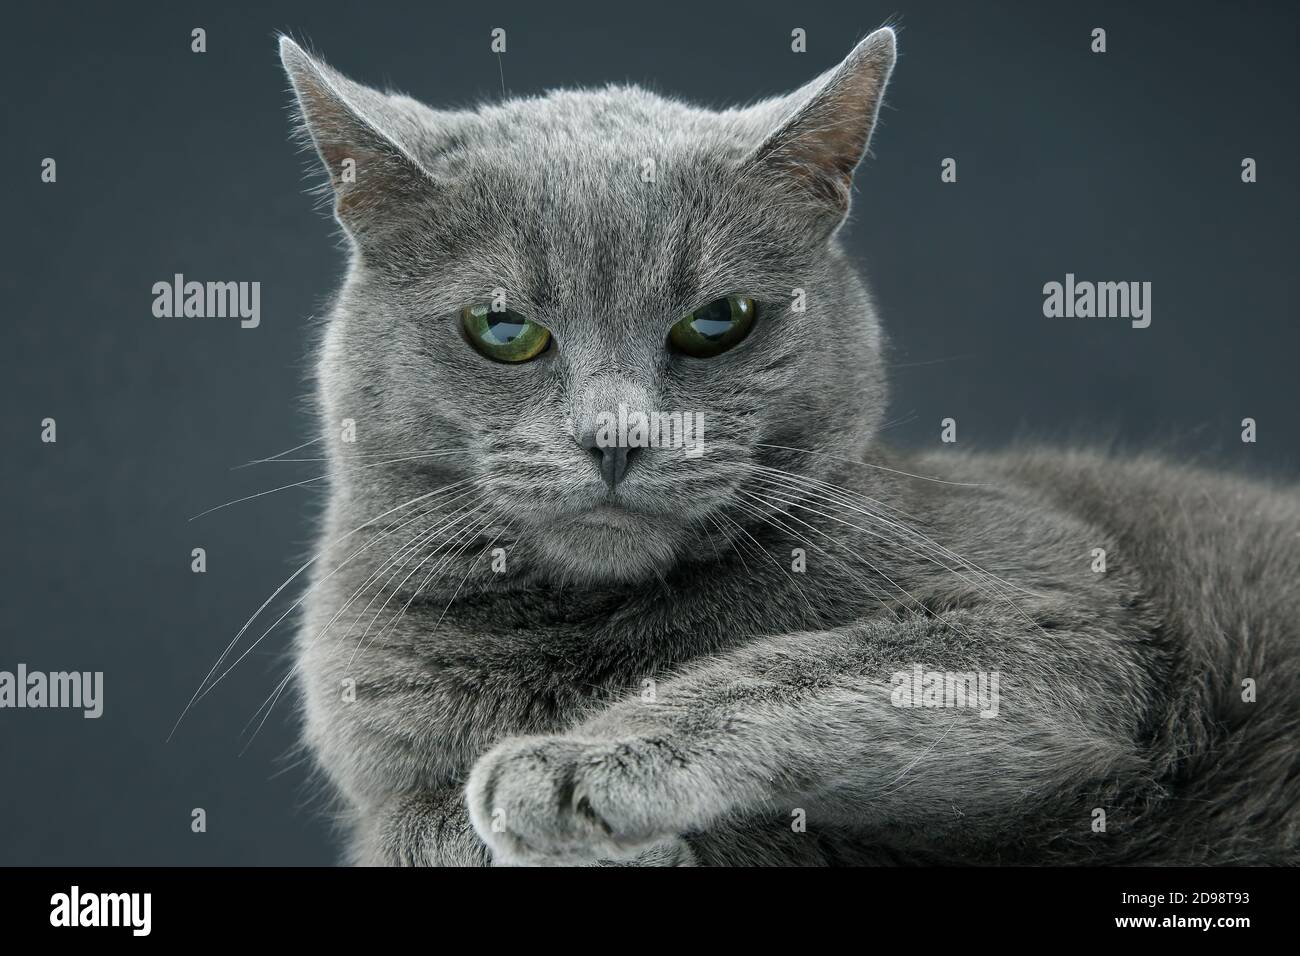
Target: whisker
<point x="909" y="598"/>
<point x="409" y="547"/>
<point x="268" y="705"/>
<point x="727" y="538"/>
<point x="397" y="560"/>
<point x="481" y="527"/>
<point x="867" y="531"/>
<point x="455" y="541"/>
<point x="287" y="451"/>
<point x="741" y="528"/>
<point x="836" y="494"/>
<point x="280" y="589"/>
<point x="867" y="464"/>
<point x="875" y="592"/>
<point x="308" y="481"/>
<point x="991" y="592"/>
<point x="774" y="504"/>
<point x="884" y="506"/>
<point x="347" y="456"/>
<point x="717" y="526"/>
<point x="461" y="542"/>
<point x="499" y="536"/>
<point x="317" y="584"/>
<point x="916" y="604"/>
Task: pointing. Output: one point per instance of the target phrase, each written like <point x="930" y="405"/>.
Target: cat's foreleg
<point x="426" y="829"/>
<point x="819" y="722"/>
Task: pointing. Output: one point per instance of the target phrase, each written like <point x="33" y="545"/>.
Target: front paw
<point x="565" y="801"/>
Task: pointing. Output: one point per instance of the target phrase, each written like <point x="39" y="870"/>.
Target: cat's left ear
<point x="827" y="124"/>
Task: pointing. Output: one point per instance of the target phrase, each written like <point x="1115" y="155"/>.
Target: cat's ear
<point x="826" y="124"/>
<point x="356" y="133"/>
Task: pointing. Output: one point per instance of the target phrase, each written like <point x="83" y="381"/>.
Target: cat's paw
<point x="563" y="801"/>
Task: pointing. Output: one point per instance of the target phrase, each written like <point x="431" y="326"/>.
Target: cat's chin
<point x="607" y="545"/>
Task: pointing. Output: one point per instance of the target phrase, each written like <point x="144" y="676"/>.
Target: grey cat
<point x="530" y="639"/>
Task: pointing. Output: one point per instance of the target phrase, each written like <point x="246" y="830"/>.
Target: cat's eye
<point x="504" y="336"/>
<point x="714" y="328"/>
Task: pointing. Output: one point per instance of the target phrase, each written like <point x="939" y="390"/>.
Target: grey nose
<point x="612" y="460"/>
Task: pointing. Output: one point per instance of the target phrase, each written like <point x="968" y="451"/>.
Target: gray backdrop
<point x="1121" y="166"/>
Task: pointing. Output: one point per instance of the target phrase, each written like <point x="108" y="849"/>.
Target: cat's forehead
<point x="612" y="114"/>
<point x="617" y="128"/>
<point x="600" y="195"/>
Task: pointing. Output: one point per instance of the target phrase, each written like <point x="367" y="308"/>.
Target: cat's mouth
<point x="608" y="516"/>
<point x="607" y="541"/>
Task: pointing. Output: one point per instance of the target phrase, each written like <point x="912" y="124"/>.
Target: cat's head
<point x="532" y="280"/>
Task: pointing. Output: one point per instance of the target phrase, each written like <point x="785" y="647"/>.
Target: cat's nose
<point x="613" y="460"/>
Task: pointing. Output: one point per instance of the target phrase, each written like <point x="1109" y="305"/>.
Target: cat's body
<point x="502" y="659"/>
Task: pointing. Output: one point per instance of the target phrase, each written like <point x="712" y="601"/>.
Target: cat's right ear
<point x="370" y="172"/>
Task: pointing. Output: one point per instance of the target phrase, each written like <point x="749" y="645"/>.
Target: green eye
<point x="713" y="329"/>
<point x="504" y="336"/>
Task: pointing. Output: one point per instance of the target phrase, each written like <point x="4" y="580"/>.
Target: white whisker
<point x="287" y="451"/>
<point x="276" y="593"/>
<point x="867" y="464"/>
<point x="308" y="481"/>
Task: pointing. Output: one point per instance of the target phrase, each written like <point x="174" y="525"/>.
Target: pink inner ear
<point x="825" y="140"/>
<point x="824" y="145"/>
<point x="352" y="195"/>
<point x="335" y="113"/>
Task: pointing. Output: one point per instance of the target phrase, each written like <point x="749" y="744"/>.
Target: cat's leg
<point x="813" y="722"/>
<point x="427" y="829"/>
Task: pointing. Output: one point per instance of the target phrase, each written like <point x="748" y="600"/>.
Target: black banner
<point x="956" y="905"/>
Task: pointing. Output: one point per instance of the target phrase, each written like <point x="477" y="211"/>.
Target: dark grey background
<point x="1123" y="166"/>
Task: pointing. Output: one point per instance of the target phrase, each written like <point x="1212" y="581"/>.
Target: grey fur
<point x="655" y="685"/>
